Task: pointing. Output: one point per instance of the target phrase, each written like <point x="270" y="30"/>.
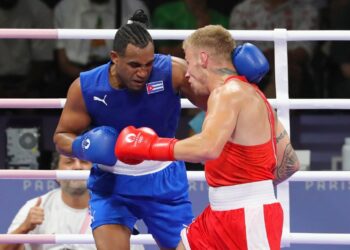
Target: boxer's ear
<point x="204" y="57"/>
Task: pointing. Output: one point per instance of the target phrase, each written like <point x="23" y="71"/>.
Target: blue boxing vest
<point x="157" y="106"/>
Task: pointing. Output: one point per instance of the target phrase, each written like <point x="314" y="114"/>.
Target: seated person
<point x="63" y="210"/>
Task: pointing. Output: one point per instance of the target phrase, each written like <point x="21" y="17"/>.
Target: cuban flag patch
<point x="154" y="87"/>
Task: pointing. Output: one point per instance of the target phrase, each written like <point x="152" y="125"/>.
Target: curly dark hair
<point x="134" y="32"/>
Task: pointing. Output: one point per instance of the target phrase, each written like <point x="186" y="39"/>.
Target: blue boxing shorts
<point x="160" y="199"/>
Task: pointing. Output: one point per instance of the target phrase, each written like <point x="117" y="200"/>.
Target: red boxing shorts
<point x="239" y="217"/>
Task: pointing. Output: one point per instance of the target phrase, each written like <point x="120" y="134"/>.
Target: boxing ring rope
<point x="297" y="238"/>
<point x="192" y="175"/>
<point x="58" y="103"/>
<point x="282" y="103"/>
<point x="65" y="239"/>
<point x="256" y="35"/>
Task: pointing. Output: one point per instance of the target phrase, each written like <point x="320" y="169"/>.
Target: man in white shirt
<point x="61" y="211"/>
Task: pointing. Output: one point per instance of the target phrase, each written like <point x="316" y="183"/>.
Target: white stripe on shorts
<point x="184" y="239"/>
<point x="255" y="228"/>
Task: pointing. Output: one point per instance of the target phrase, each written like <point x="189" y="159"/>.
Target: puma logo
<point x="101" y="100"/>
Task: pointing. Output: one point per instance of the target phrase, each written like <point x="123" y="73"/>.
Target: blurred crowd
<point x="45" y="68"/>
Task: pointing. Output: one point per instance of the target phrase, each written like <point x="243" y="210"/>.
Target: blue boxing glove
<point x="96" y="145"/>
<point x="250" y="62"/>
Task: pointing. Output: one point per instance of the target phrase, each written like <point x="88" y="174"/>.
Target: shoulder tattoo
<point x="281" y="136"/>
<point x="226" y="71"/>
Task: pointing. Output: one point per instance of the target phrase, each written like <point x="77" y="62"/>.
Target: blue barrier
<point x="316" y="207"/>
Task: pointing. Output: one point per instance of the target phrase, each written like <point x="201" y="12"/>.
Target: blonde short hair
<point x="215" y="38"/>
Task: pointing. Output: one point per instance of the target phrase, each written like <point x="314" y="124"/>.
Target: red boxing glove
<point x="143" y="144"/>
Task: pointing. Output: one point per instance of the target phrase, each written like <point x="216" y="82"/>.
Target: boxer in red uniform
<point x="244" y="146"/>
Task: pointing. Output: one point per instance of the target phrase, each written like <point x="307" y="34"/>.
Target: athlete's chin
<point x="136" y="86"/>
<point x="196" y="89"/>
<point x="197" y="92"/>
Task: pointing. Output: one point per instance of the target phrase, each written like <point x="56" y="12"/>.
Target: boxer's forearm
<point x="63" y="143"/>
<point x="288" y="166"/>
<point x="196" y="149"/>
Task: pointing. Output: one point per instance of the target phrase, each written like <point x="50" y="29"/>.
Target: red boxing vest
<point x="238" y="164"/>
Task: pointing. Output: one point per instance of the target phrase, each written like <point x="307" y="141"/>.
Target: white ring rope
<point x="30" y="103"/>
<point x="58" y="103"/>
<point x="192" y="175"/>
<point x="282" y="103"/>
<point x="256" y="35"/>
<point x="65" y="239"/>
<point x="295" y="238"/>
<point x="324" y="238"/>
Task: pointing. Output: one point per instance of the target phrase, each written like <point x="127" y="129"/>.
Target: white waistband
<point x="146" y="167"/>
<point x="243" y="195"/>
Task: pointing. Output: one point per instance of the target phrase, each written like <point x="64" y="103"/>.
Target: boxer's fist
<point x="96" y="145"/>
<point x="250" y="62"/>
<point x="143" y="144"/>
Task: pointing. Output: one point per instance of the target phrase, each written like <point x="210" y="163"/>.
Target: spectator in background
<point x="51" y="3"/>
<point x="183" y="14"/>
<point x="78" y="55"/>
<point x="339" y="50"/>
<point x="24" y="62"/>
<point x="289" y="14"/>
<point x="61" y="211"/>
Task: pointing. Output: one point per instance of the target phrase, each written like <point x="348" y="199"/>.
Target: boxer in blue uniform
<point x="142" y="89"/>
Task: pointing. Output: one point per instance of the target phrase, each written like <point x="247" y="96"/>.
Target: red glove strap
<point x="163" y="149"/>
